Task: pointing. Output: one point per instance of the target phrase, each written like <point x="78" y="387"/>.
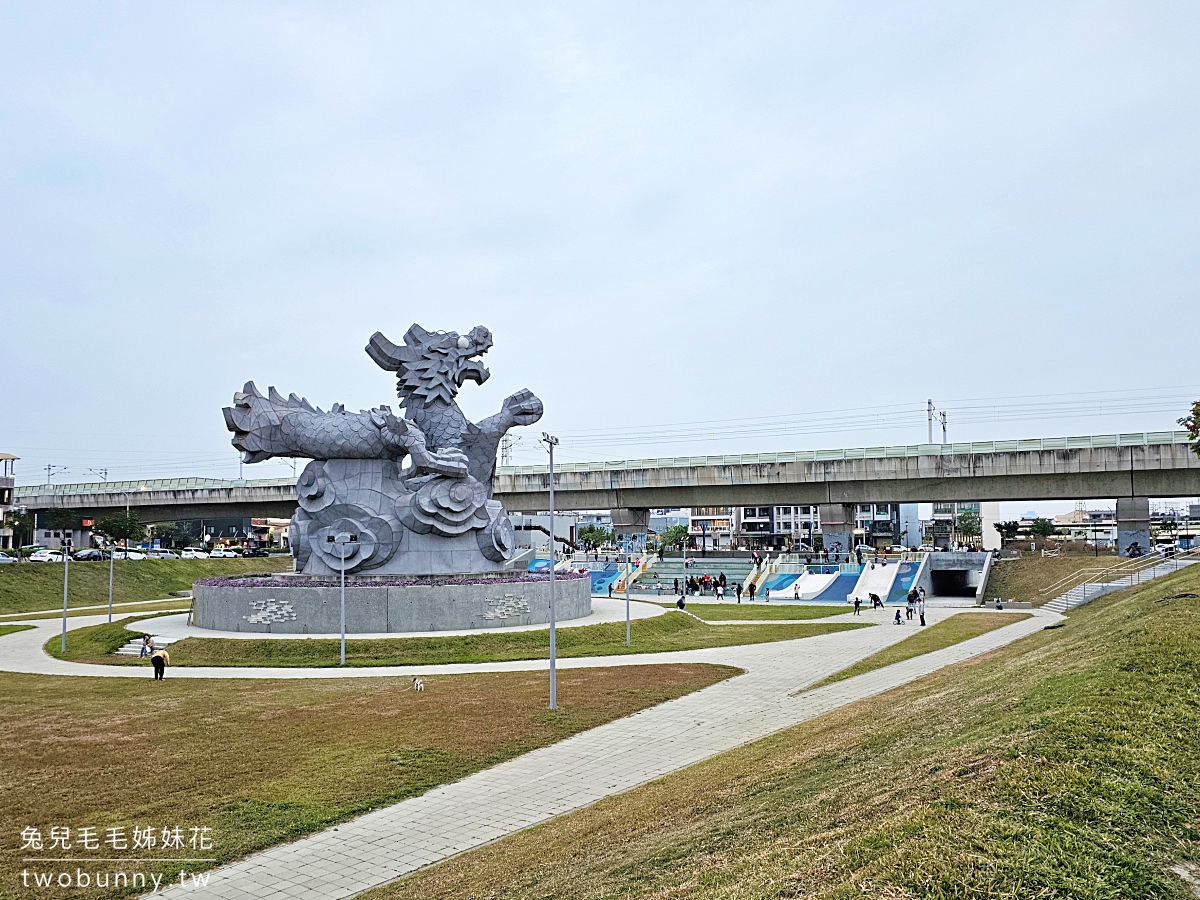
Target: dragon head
<point x="432" y="365"/>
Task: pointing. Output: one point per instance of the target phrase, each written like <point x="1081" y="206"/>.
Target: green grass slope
<point x="1066" y="765"/>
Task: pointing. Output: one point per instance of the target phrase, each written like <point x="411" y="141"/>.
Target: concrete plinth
<point x="1133" y="524"/>
<point x="277" y="606"/>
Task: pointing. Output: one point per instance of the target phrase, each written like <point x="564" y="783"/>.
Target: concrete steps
<point x="134" y="647"/>
<point x="1083" y="593"/>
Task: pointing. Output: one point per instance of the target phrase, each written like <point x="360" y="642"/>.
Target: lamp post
<point x="342" y="540"/>
<point x="552" y="442"/>
<point x="66" y="555"/>
<point x="628" y="575"/>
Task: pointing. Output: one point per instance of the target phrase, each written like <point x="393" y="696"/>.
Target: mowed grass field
<point x="27" y="587"/>
<point x="1065" y="765"/>
<point x="670" y="631"/>
<point x="261" y="762"/>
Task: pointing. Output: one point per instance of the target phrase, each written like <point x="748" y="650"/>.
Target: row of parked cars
<point x="45" y="554"/>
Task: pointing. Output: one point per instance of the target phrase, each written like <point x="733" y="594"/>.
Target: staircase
<point x="134" y="647"/>
<point x="1093" y="583"/>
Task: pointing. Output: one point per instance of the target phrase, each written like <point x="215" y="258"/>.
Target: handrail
<point x="1125" y="568"/>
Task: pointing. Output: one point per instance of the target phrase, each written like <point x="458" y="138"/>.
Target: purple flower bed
<point x="273" y="581"/>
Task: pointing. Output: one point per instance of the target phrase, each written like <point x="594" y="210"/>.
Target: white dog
<point x="418" y="684"/>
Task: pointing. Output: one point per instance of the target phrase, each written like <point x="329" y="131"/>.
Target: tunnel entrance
<point x="954" y="582"/>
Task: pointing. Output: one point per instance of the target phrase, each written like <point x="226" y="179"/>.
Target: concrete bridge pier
<point x="1133" y="524"/>
<point x="630" y="523"/>
<point x="837" y="526"/>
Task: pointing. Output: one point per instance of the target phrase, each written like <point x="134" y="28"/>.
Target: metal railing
<point x="1127" y="570"/>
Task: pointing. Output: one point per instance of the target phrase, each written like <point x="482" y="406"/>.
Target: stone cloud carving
<point x="415" y="489"/>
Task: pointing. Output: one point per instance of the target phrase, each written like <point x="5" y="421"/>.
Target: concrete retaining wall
<point x="375" y="610"/>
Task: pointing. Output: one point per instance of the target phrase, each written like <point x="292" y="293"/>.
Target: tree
<point x="969" y="525"/>
<point x="21" y="524"/>
<point x="1042" y="528"/>
<point x="122" y="525"/>
<point x="174" y="534"/>
<point x="674" y="536"/>
<point x="60" y="519"/>
<point x="1008" y="530"/>
<point x="593" y="536"/>
<point x="1192" y="423"/>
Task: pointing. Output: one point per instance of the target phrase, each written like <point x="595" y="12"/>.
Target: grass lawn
<point x="10" y="629"/>
<point x="715" y="612"/>
<point x="1065" y="765"/>
<point x="659" y="634"/>
<point x="28" y="587"/>
<point x="1025" y="578"/>
<point x="950" y="631"/>
<point x="263" y="762"/>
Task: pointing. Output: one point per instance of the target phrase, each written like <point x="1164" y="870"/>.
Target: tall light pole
<point x="552" y="442"/>
<point x="110" y="552"/>
<point x="628" y="575"/>
<point x="342" y="540"/>
<point x="66" y="555"/>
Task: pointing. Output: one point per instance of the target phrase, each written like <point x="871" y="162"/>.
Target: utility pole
<point x="66" y="555"/>
<point x="552" y="442"/>
<point x="942" y="414"/>
<point x="929" y="418"/>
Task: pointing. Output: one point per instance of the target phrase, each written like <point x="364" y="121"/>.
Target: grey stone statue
<point x="432" y="516"/>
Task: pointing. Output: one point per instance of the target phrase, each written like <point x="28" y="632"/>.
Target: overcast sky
<point x="665" y="212"/>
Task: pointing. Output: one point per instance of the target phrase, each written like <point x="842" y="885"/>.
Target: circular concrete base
<point x="284" y="606"/>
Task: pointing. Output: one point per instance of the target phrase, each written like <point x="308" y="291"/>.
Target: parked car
<point x="224" y="553"/>
<point x="90" y="555"/>
<point x="5" y="558"/>
<point x="46" y="556"/>
<point x="160" y="553"/>
<point x="128" y="554"/>
<point x="257" y="552"/>
<point x="194" y="553"/>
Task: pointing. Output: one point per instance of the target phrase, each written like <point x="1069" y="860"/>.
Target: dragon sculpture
<point x="437" y="509"/>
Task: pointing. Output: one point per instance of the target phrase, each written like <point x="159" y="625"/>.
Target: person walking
<point x="909" y="608"/>
<point x="676" y="588"/>
<point x="147" y="646"/>
<point x="751" y="592"/>
<point x="857" y="606"/>
<point x="921" y="610"/>
<point x="796" y="590"/>
<point x="610" y="590"/>
<point x="738" y="588"/>
<point x="159" y="660"/>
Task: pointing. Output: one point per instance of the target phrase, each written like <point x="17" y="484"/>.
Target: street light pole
<point x="66" y="555"/>
<point x="342" y="540"/>
<point x="628" y="575"/>
<point x="552" y="442"/>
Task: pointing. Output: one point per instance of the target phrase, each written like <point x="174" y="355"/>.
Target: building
<point x="661" y="520"/>
<point x="713" y="527"/>
<point x="8" y="489"/>
<point x="1092" y="526"/>
<point x="945" y="524"/>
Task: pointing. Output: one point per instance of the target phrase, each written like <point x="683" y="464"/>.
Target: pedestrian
<point x="159" y="660"/>
<point x="857" y="606"/>
<point x="721" y="592"/>
<point x="610" y="590"/>
<point x="909" y="608"/>
<point x="147" y="646"/>
<point x="738" y="588"/>
<point x="767" y="594"/>
<point x="676" y="588"/>
<point x="876" y="603"/>
<point x="921" y="610"/>
<point x="680" y="603"/>
<point x="751" y="589"/>
<point x="858" y="554"/>
<point x="796" y="590"/>
<point x="658" y="588"/>
<point x="898" y="621"/>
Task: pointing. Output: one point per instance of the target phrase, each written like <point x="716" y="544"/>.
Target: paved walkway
<point x="387" y="844"/>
